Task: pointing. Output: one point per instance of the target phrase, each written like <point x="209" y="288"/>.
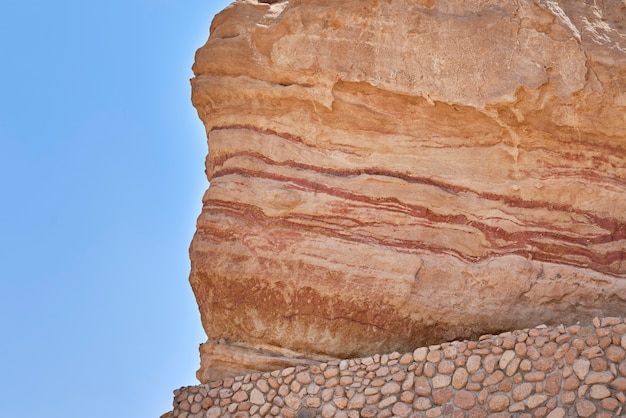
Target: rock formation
<point x="386" y="174"/>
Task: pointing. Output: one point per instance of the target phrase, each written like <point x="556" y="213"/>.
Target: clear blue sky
<point x="101" y="179"/>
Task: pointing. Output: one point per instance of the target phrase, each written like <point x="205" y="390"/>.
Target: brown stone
<point x="598" y="377"/>
<point x="526" y="365"/>
<point x="571" y="356"/>
<point x="489" y="363"/>
<point x="494" y="378"/>
<point x="464" y="399"/>
<point x="498" y="403"/>
<point x="534" y="376"/>
<point x="581" y="368"/>
<point x="584" y="408"/>
<point x="401" y="409"/>
<point x="390" y="388"/>
<point x="473" y="363"/>
<point x="520" y="349"/>
<point x="434" y="356"/>
<point x="610" y="404"/>
<point x="533" y="353"/>
<point x="535" y="400"/>
<point x="599" y="392"/>
<point x="506" y="358"/>
<point x="592" y="352"/>
<point x="477" y="413"/>
<point x="388" y="401"/>
<point x="512" y="367"/>
<point x="553" y="384"/>
<point x="571" y="383"/>
<point x="557" y="413"/>
<point x="545" y="364"/>
<point x="240" y="396"/>
<point x="334" y="210"/>
<point x="506" y="385"/>
<point x="422" y="386"/>
<point x="599" y="364"/>
<point x="568" y="398"/>
<point x="446" y="367"/>
<point x="422" y="404"/>
<point x="522" y="391"/>
<point x="441" y="396"/>
<point x="615" y="354"/>
<point x="459" y="379"/>
<point x="429" y="370"/>
<point x="619" y="384"/>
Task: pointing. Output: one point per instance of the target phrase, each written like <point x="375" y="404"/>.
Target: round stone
<point x="571" y="383"/>
<point x="406" y="359"/>
<point x="441" y="396"/>
<point x="239" y="396"/>
<point x="390" y="388"/>
<point x="489" y="363"/>
<point x="507" y="356"/>
<point x="195" y="408"/>
<point x="599" y="392"/>
<point x="459" y="379"/>
<point x="619" y="384"/>
<point x="585" y="408"/>
<point x="303" y="378"/>
<point x="536" y="400"/>
<point x="535" y="376"/>
<point x="401" y="409"/>
<point x="526" y="365"/>
<point x="615" y="354"/>
<point x="422" y="404"/>
<point x="498" y="403"/>
<point x="473" y="363"/>
<point x="512" y="367"/>
<point x="522" y="391"/>
<point x="610" y="404"/>
<point x="420" y="354"/>
<point x="465" y="399"/>
<point x="214" y="412"/>
<point x="445" y="367"/>
<point x="256" y="397"/>
<point x="434" y="356"/>
<point x="328" y="410"/>
<point x="422" y="386"/>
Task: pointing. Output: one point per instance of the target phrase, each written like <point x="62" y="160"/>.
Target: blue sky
<point x="101" y="176"/>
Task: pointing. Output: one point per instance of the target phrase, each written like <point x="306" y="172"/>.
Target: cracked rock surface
<point x="390" y="174"/>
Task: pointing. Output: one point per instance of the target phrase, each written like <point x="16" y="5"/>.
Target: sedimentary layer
<point x="388" y="174"/>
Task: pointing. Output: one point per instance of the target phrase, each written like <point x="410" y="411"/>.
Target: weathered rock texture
<point x="388" y="174"/>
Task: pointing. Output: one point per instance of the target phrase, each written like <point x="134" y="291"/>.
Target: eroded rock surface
<point x="390" y="174"/>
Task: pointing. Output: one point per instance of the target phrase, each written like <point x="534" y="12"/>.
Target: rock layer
<point x="387" y="174"/>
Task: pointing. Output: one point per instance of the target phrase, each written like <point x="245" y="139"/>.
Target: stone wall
<point x="544" y="371"/>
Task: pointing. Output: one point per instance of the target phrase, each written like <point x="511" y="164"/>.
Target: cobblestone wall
<point x="540" y="372"/>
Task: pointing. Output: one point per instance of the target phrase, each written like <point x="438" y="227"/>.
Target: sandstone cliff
<point x="390" y="173"/>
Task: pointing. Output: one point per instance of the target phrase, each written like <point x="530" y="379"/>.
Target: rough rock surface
<point x="389" y="173"/>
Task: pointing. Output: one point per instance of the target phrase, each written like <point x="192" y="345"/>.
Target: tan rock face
<point x="387" y="174"/>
